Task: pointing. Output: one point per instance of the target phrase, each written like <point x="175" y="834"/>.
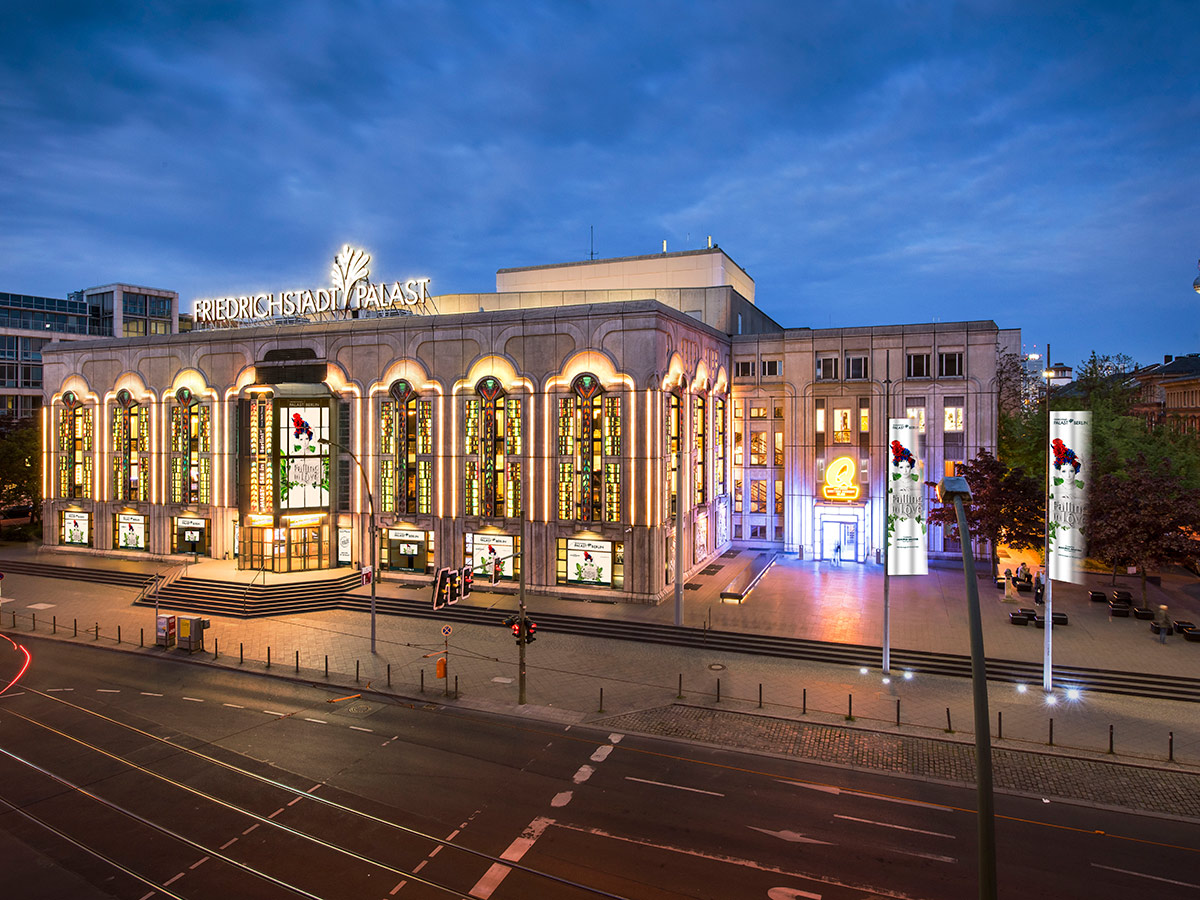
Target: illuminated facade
<point x="568" y="397"/>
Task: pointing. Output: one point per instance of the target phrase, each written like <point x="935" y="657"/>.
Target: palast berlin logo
<point x="351" y="290"/>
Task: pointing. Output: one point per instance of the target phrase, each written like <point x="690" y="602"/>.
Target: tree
<point x="1006" y="506"/>
<point x="1145" y="515"/>
<point x="20" y="469"/>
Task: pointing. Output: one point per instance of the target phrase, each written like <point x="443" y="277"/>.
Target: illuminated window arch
<point x="699" y="449"/>
<point x="75" y="448"/>
<point x="493" y="435"/>
<point x="589" y="450"/>
<point x="406" y="451"/>
<point x="191" y="449"/>
<point x="719" y="428"/>
<point x="130" y="448"/>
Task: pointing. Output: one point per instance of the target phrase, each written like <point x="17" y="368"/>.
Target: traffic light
<point x="514" y="622"/>
<point x="530" y="630"/>
<point x="441" y="588"/>
<point x="497" y="568"/>
<point x="466" y="582"/>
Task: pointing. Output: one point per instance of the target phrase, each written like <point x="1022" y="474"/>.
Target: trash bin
<point x="164" y="631"/>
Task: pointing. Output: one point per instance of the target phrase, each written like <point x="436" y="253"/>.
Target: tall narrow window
<point x="719" y="447"/>
<point x="674" y="446"/>
<point x="699" y="443"/>
<point x="492" y="470"/>
<point x="405" y="447"/>
<point x="75" y="448"/>
<point x="131" y="448"/>
<point x="589" y="453"/>
<point x="262" y="469"/>
<point x="191" y="449"/>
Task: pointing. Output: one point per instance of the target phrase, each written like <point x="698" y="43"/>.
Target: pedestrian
<point x="1022" y="572"/>
<point x="1038" y="587"/>
<point x="837" y="555"/>
<point x="1163" y="622"/>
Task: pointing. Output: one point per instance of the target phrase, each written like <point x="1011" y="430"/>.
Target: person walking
<point x="1163" y="622"/>
<point x="837" y="555"/>
<point x="1038" y="587"/>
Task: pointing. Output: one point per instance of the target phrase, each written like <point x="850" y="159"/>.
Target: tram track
<point x="206" y="847"/>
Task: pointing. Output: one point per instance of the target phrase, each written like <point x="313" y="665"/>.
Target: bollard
<point x="389" y="674"/>
<point x="679" y="696"/>
<point x="804" y="703"/>
<point x="76" y="621"/>
<point x="216" y="648"/>
<point x="33" y="627"/>
<point x="718" y="690"/>
<point x="14" y="615"/>
<point x="297" y="660"/>
<point x="422" y="681"/>
<point x="601" y="699"/>
<point x="141" y="637"/>
<point x="1000" y="725"/>
<point x="897" y="712"/>
<point x="760" y="695"/>
<point x="1110" y="739"/>
<point x="356" y="671"/>
<point x="97" y="637"/>
<point x="1171" y="746"/>
<point x="241" y="653"/>
<point x="54" y="624"/>
<point x="268" y="656"/>
<point x="118" y="634"/>
<point x="455" y="687"/>
<point x="326" y="665"/>
<point x="1051" y="732"/>
<point x="949" y="727"/>
<point x="850" y="708"/>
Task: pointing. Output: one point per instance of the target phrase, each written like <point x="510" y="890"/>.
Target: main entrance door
<point x="296" y="548"/>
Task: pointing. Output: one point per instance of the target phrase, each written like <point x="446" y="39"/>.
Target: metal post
<point x="983" y="742"/>
<point x="522" y="617"/>
<point x="679" y="513"/>
<point x="1048" y="645"/>
<point x="373" y="528"/>
<point x="887" y="536"/>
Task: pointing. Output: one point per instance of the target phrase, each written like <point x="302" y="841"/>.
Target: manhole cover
<point x="358" y="709"/>
<point x="716" y="667"/>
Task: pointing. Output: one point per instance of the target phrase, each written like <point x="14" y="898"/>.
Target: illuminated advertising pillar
<point x="1070" y="472"/>
<point x="906" y="523"/>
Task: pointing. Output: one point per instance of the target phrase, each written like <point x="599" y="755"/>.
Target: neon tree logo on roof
<point x="839" y="480"/>
<point x="351" y="290"/>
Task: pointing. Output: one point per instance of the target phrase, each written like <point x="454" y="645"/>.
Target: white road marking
<point x="59" y="689"/>
<point x="794" y="837"/>
<point x="1144" y="875"/>
<point x="785" y="893"/>
<point x="419" y="866"/>
<point x="271" y="712"/>
<point x="830" y="789"/>
<point x="452" y="835"/>
<point x="360" y="728"/>
<point x="14" y="694"/>
<point x="199" y="863"/>
<point x="585" y="772"/>
<point x="615" y="738"/>
<point x="897" y="827"/>
<point x="318" y="721"/>
<point x="171" y="881"/>
<point x="933" y="856"/>
<point x="678" y="787"/>
<point x="295" y="800"/>
<point x="228" y="843"/>
<point x="274" y="814"/>
<point x="233" y="706"/>
<point x="193" y="699"/>
<point x="107" y="691"/>
<point x="147" y="896"/>
<point x="392" y="892"/>
<point x="150" y="694"/>
<point x="493" y="876"/>
<point x="250" y="829"/>
<point x="601" y="753"/>
<point x="561" y="799"/>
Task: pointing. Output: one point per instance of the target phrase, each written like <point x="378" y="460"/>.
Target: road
<point x="164" y="779"/>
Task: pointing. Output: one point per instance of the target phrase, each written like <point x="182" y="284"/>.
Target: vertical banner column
<point x="1070" y="472"/>
<point x="907" y="543"/>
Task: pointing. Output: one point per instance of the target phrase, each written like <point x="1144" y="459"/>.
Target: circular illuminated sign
<point x="840" y="481"/>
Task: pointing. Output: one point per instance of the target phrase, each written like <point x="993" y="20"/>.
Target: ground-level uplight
<point x="862" y="671"/>
<point x="1021" y="688"/>
<point x="1073" y="693"/>
<point x="1051" y="700"/>
<point x="908" y="675"/>
<point x="887" y="680"/>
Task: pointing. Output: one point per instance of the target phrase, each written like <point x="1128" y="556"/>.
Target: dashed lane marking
<point x="585" y="772"/>
<point x="360" y="728"/>
<point x="274" y="814"/>
<point x="1144" y="875"/>
<point x="228" y="843"/>
<point x="395" y="890"/>
<point x="601" y="753"/>
<point x="52" y="690"/>
<point x="150" y="694"/>
<point x="890" y="825"/>
<point x="561" y="799"/>
<point x="193" y="699"/>
<point x="295" y="800"/>
<point x="199" y="862"/>
<point x="233" y="706"/>
<point x="419" y="866"/>
<point x="107" y="691"/>
<point x="518" y="848"/>
<point x="271" y="712"/>
<point x="678" y="787"/>
<point x="250" y="829"/>
<point x="933" y="856"/>
<point x="318" y="721"/>
<point x="171" y="881"/>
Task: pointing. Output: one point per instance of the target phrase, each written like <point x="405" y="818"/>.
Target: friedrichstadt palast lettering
<point x="351" y="291"/>
<point x="565" y="409"/>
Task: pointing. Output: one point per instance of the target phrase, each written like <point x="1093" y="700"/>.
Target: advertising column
<point x="1070" y="471"/>
<point x="907" y="545"/>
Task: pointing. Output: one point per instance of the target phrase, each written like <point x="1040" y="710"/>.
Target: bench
<point x="1097" y="596"/>
<point x="1118" y="608"/>
<point x="1143" y="612"/>
<point x="744" y="583"/>
<point x="1121" y="595"/>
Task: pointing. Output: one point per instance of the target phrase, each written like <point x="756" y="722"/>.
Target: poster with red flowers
<point x="1070" y="474"/>
<point x="907" y="544"/>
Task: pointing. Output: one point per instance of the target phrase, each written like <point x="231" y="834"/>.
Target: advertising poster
<point x="304" y="462"/>
<point x="344" y="545"/>
<point x="484" y="549"/>
<point x="701" y="537"/>
<point x="75" y="528"/>
<point x="908" y="544"/>
<point x="131" y="531"/>
<point x="589" y="562"/>
<point x="1070" y="472"/>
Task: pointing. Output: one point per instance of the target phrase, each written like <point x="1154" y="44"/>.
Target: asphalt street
<point x="235" y="785"/>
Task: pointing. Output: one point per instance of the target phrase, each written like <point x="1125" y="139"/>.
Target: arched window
<point x="492" y="469"/>
<point x="674" y="426"/>
<point x="719" y="446"/>
<point x="130" y="448"/>
<point x="191" y="449"/>
<point x="699" y="446"/>
<point x="589" y="450"/>
<point x="75" y="447"/>
<point x="406" y="451"/>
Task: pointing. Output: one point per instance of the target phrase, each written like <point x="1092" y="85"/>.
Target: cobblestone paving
<point x="1095" y="781"/>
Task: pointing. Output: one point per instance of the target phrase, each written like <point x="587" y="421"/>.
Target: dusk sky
<point x="867" y="163"/>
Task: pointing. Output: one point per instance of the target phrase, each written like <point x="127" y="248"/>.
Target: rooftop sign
<point x="351" y="291"/>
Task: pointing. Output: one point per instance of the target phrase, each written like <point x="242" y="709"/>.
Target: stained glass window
<point x="75" y="445"/>
<point x="492" y="429"/>
<point x="405" y="441"/>
<point x="589" y="442"/>
<point x="131" y="449"/>
<point x="191" y="442"/>
<point x="262" y="475"/>
<point x="719" y="447"/>
<point x="699" y="441"/>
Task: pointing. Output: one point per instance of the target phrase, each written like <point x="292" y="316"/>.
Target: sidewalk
<point x="619" y="683"/>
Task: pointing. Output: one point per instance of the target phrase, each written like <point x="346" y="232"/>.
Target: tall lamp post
<point x="955" y="490"/>
<point x="374" y="537"/>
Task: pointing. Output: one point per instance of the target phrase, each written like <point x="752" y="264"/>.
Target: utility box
<point x="164" y="631"/>
<point x="191" y="633"/>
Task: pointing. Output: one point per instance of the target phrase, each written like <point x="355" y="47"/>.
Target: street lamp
<point x="374" y="538"/>
<point x="954" y="489"/>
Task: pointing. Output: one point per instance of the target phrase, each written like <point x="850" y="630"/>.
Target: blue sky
<point x="867" y="163"/>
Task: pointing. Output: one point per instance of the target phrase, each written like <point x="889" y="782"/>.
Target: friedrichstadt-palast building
<point x="276" y="430"/>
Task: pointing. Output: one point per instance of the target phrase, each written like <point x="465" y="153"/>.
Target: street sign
<point x="447" y="631"/>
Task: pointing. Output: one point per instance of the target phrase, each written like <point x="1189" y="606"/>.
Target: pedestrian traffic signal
<point x="466" y="582"/>
<point x="497" y="568"/>
<point x="514" y="623"/>
<point x="530" y="631"/>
